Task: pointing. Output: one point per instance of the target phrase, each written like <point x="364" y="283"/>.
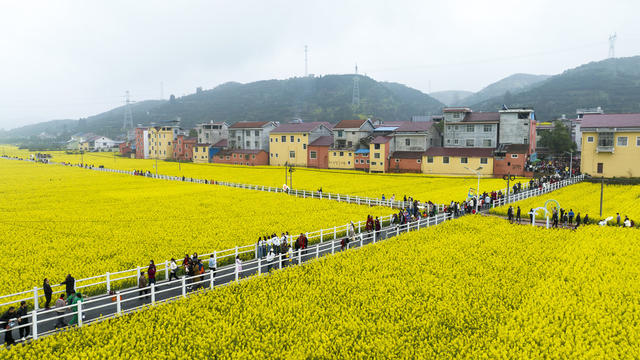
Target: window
<point x="486" y="128"/>
<point x="376" y="156"/>
<point x="397" y="160"/>
<point x="247" y="132"/>
<point x="376" y="146"/>
<point x="455" y="127"/>
<point x="373" y="163"/>
<point x="350" y="143"/>
<point x="483" y="161"/>
<point x="292" y="154"/>
<point x="486" y="142"/>
<point x="445" y="159"/>
<point x="514" y="156"/>
<point x="367" y="161"/>
<point x="298" y="139"/>
<point x="605" y="139"/>
<point x="600" y="168"/>
<point x="431" y="141"/>
<point x="637" y="140"/>
<point x="256" y="145"/>
<point x="348" y="162"/>
<point x="228" y="157"/>
<point x="430" y="159"/>
<point x="470" y="128"/>
<point x="304" y="146"/>
<point x="448" y="141"/>
<point x="284" y="138"/>
<point x="469" y="142"/>
<point x="248" y="143"/>
<point x="349" y="154"/>
<point x="312" y="155"/>
<point x="449" y="127"/>
<point x="271" y="154"/>
<point x="590" y="139"/>
<point x="234" y="156"/>
<point x="455" y="141"/>
<point x="407" y="142"/>
<point x="523" y="115"/>
<point x="292" y="138"/>
<point x="456" y="115"/>
<point x="340" y="133"/>
<point x="341" y="153"/>
<point x="271" y="139"/>
<point x="253" y="156"/>
<point x="622" y="140"/>
<point x="418" y="161"/>
<point x="276" y="154"/>
<point x="246" y="157"/>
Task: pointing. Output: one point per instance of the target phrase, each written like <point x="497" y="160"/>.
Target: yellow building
<point x="201" y="153"/>
<point x="288" y="142"/>
<point x="84" y="146"/>
<point x="457" y="161"/>
<point x="379" y="153"/>
<point x="341" y="159"/>
<point x="610" y="145"/>
<point x="161" y="141"/>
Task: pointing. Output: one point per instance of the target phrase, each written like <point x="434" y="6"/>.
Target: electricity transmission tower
<point x="355" y="101"/>
<point x="128" y="116"/>
<point x="612" y="45"/>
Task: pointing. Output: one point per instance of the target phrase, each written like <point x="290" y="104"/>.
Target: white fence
<point x="131" y="299"/>
<point x="538" y="190"/>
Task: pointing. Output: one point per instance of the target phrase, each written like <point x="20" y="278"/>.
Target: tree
<point x="558" y="140"/>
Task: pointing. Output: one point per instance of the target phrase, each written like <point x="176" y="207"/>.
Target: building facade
<point x="518" y="126"/>
<point x="379" y="153"/>
<point x="611" y="145"/>
<point x="458" y="161"/>
<point x="318" y="155"/>
<point x="466" y="129"/>
<point x="352" y="134"/>
<point x="212" y="132"/>
<point x="161" y="141"/>
<point x="288" y="142"/>
<point x="183" y="149"/>
<point x="250" y="135"/>
<point x="142" y="143"/>
<point x="511" y="159"/>
<point x="241" y="157"/>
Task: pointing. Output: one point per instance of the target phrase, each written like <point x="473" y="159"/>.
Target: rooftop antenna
<point x="306" y="73"/>
<point x="612" y="45"/>
<point x="355" y="101"/>
<point x="128" y="116"/>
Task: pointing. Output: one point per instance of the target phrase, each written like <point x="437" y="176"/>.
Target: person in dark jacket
<point x="47" y="293"/>
<point x="152" y="272"/>
<point x="23" y="319"/>
<point x="6" y="323"/>
<point x="70" y="285"/>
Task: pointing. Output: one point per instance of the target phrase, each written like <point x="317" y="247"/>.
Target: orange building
<point x="318" y="152"/>
<point x="241" y="157"/>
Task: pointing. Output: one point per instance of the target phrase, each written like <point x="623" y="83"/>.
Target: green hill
<point x="325" y="98"/>
<point x="613" y="84"/>
<point x="513" y="84"/>
<point x="450" y="97"/>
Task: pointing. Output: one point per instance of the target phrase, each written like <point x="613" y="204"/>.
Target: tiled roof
<point x="299" y="127"/>
<point x="466" y="152"/>
<point x="381" y="139"/>
<point x="349" y="124"/>
<point x="408" y="155"/>
<point x="610" y="120"/>
<point x="221" y="143"/>
<point x="322" y="141"/>
<point x="516" y="148"/>
<point x="456" y="109"/>
<point x="415" y="126"/>
<point x="481" y="116"/>
<point x="248" y="124"/>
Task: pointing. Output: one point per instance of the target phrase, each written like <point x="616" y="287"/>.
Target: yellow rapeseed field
<point x="473" y="288"/>
<point x="585" y="198"/>
<point x="439" y="189"/>
<point x="58" y="220"/>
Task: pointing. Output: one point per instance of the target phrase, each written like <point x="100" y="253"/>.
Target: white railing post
<point x="374" y="235"/>
<point x="118" y="303"/>
<point x="235" y="270"/>
<point x="299" y="256"/>
<point x="333" y="247"/>
<point x="153" y="294"/>
<point x="361" y="240"/>
<point x="108" y="282"/>
<point x="166" y="270"/>
<point x="259" y="266"/>
<point x="321" y="235"/>
<point x="317" y="251"/>
<point x="211" y="278"/>
<point x="184" y="286"/>
<point x="79" y="313"/>
<point x="138" y="274"/>
<point x="34" y="321"/>
<point x="335" y="232"/>
<point x="35" y="298"/>
<point x="279" y="259"/>
<point x="397" y="230"/>
<point x="236" y="253"/>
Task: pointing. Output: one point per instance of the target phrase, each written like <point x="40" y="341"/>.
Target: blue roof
<point x="386" y="128"/>
<point x="362" y="151"/>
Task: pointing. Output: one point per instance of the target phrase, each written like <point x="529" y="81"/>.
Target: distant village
<point x="458" y="142"/>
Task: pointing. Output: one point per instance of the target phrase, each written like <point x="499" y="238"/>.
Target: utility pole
<point x="82" y="157"/>
<point x="601" y="194"/>
<point x="291" y="170"/>
<point x="156" y="165"/>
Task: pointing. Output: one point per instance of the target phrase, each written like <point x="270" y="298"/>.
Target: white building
<point x="103" y="143"/>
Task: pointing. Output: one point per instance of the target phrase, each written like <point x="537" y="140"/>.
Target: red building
<point x="141" y="133"/>
<point x="241" y="157"/>
<point x="406" y="161"/>
<point x="318" y="152"/>
<point x="183" y="148"/>
<point x="511" y="159"/>
<point x="361" y="159"/>
<point x="125" y="148"/>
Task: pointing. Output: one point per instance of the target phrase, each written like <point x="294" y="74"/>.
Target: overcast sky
<point x="70" y="59"/>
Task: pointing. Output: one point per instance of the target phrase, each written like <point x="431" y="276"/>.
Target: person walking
<point x="70" y="285"/>
<point x="142" y="285"/>
<point x="238" y="266"/>
<point x="554" y="217"/>
<point x="74" y="299"/>
<point x="618" y="219"/>
<point x="7" y="322"/>
<point x="23" y="320"/>
<point x="510" y="213"/>
<point x="577" y="220"/>
<point x="585" y="220"/>
<point x="60" y="310"/>
<point x="270" y="258"/>
<point x="531" y="216"/>
<point x="152" y="272"/>
<point x="46" y="287"/>
<point x="518" y="218"/>
<point x="173" y="269"/>
<point x="571" y="214"/>
<point x="212" y="263"/>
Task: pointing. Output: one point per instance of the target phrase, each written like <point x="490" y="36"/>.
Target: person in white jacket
<point x="270" y="258"/>
<point x="173" y="269"/>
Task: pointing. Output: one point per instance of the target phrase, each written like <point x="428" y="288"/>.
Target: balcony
<point x="604" y="149"/>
